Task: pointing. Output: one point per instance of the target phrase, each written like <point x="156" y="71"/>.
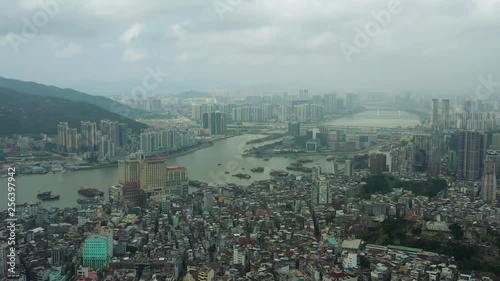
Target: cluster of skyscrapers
<point x="166" y="140"/>
<point x="104" y="139"/>
<point x="464" y="146"/>
<point x="216" y="122"/>
<point x="465" y="118"/>
<point x="302" y="108"/>
<point x="443" y="119"/>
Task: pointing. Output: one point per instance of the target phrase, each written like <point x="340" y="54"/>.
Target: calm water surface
<point x="376" y="118"/>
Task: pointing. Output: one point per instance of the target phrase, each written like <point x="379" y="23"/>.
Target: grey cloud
<point x="431" y="44"/>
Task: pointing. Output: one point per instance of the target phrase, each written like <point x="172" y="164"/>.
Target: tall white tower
<point x="348" y="168"/>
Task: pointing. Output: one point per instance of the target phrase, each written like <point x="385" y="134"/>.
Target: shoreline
<point x="312" y="153"/>
<point x="190" y="150"/>
<point x="199" y="147"/>
<point x="202" y="145"/>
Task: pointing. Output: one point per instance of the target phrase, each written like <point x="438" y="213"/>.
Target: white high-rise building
<point x="107" y="149"/>
<point x="238" y="255"/>
<point x="301" y="112"/>
<point x="351" y="261"/>
<point x="321" y="192"/>
<point x="348" y="168"/>
<point x="283" y="113"/>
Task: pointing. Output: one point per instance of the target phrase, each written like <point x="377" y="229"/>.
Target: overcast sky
<point x="102" y="45"/>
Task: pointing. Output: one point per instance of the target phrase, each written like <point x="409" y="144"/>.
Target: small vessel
<point x="226" y="172"/>
<point x="220" y="164"/>
<point x="197" y="183"/>
<point x="56" y="168"/>
<point x="242" y="176"/>
<point x="278" y="173"/>
<point x="257" y="169"/>
<point x="266" y="159"/>
<point x="46" y="196"/>
<point x="90" y="192"/>
<point x="87" y="201"/>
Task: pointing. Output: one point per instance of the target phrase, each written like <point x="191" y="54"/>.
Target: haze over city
<point x="102" y="47"/>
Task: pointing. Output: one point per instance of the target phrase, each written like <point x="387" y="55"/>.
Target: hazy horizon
<point x="439" y="47"/>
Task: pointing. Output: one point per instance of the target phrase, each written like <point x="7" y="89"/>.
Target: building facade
<point x="98" y="250"/>
<point x="489" y="182"/>
<point x="177" y="181"/>
<point x="471" y="154"/>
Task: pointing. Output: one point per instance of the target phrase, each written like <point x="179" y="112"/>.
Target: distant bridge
<point x="392" y="107"/>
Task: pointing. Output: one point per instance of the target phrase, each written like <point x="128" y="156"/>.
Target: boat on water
<point x="257" y="169"/>
<point x="299" y="168"/>
<point x="76" y="167"/>
<point x="90" y="192"/>
<point x="57" y="168"/>
<point x="197" y="183"/>
<point x="226" y="172"/>
<point x="87" y="201"/>
<point x="46" y="196"/>
<point x="266" y="159"/>
<point x="220" y="164"/>
<point x="242" y="176"/>
<point x="278" y="173"/>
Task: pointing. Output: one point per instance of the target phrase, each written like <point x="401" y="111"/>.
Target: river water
<point x="202" y="165"/>
<point x="382" y="117"/>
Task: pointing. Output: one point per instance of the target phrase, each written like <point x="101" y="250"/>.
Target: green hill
<point x="22" y="113"/>
<point x="70" y="94"/>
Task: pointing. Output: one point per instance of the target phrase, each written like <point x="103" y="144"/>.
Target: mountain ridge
<point x="39" y="89"/>
<point x="24" y="113"/>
